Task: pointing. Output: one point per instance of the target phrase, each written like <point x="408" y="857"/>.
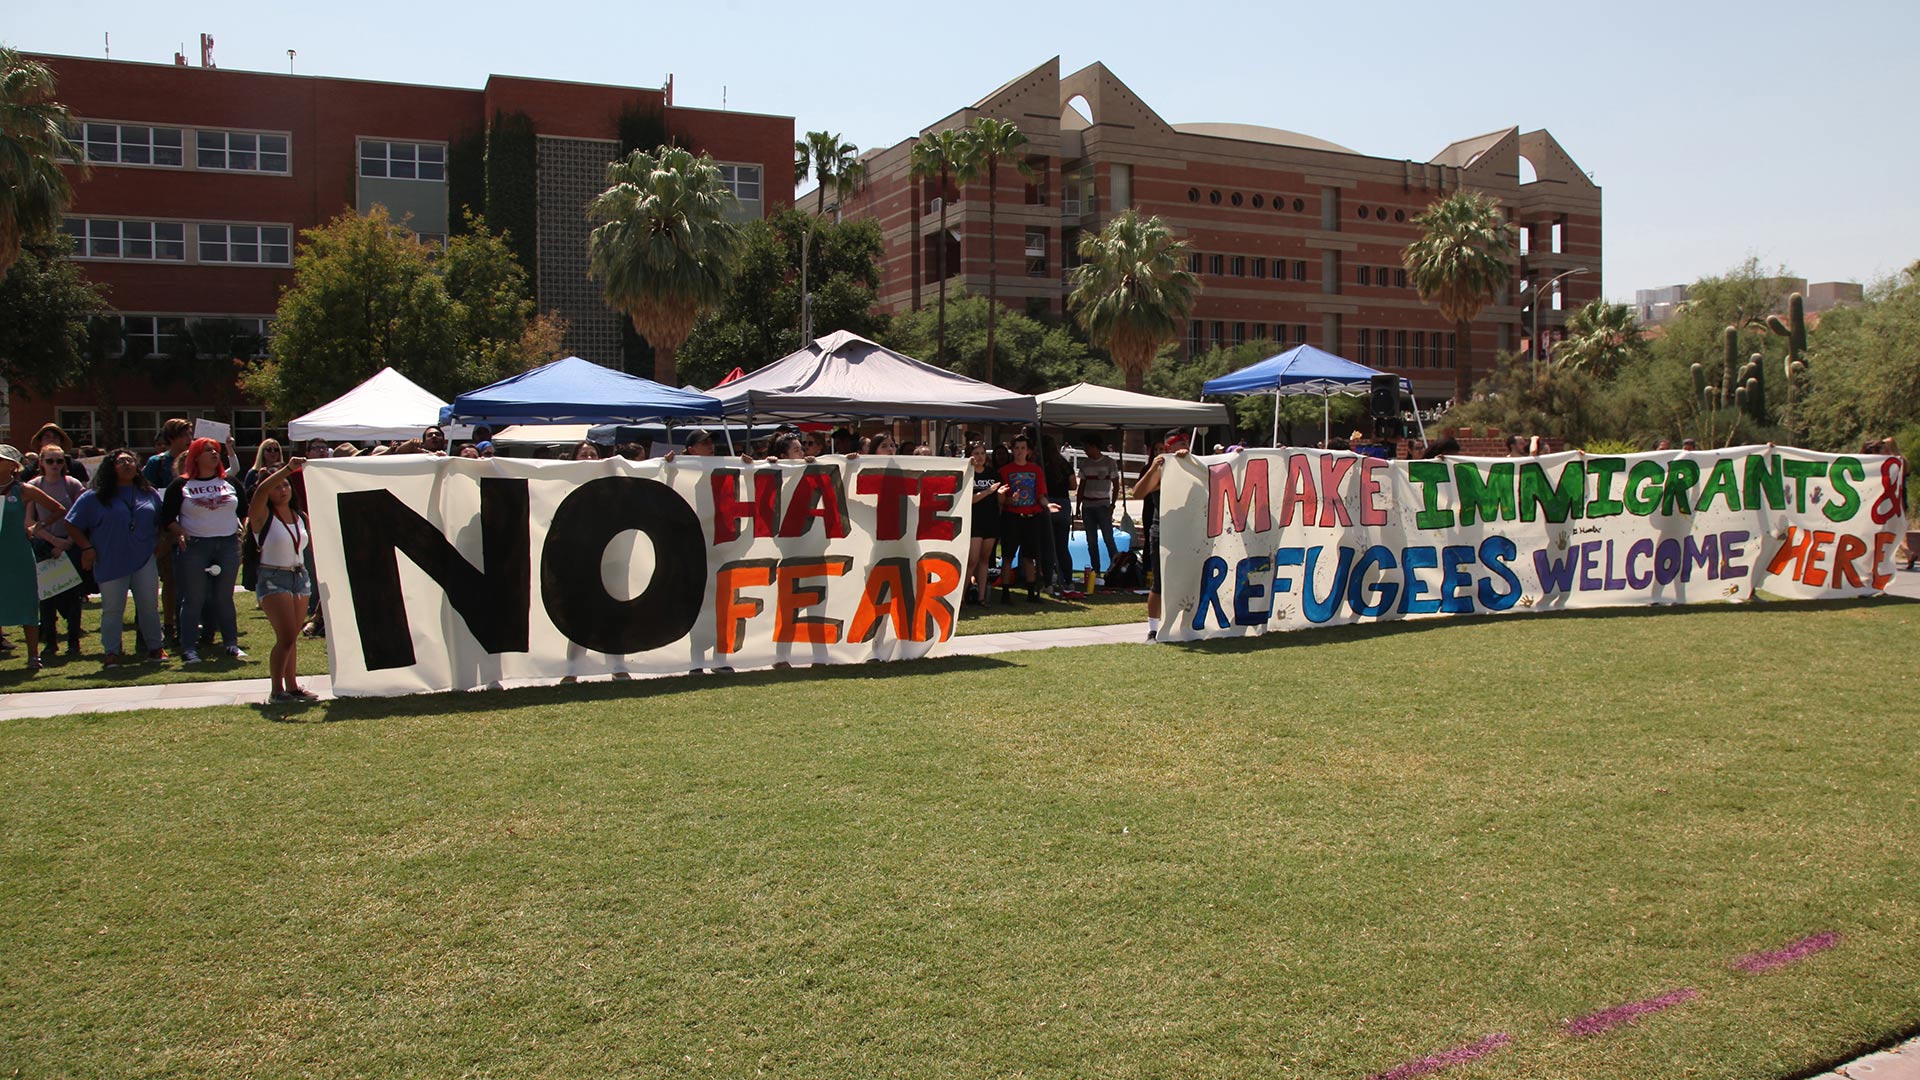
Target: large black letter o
<point x="577" y="538"/>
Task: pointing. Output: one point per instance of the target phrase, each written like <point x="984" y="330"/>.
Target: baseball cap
<point x="9" y="453"/>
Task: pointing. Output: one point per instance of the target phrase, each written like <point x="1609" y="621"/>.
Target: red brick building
<point x="202" y="179"/>
<point x="1294" y="238"/>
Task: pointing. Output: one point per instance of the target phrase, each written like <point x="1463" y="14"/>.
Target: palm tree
<point x="1132" y="291"/>
<point x="664" y="250"/>
<point x="34" y="190"/>
<point x="1601" y="338"/>
<point x="1460" y="265"/>
<point x="831" y="161"/>
<point x="994" y="141"/>
<point x="943" y="155"/>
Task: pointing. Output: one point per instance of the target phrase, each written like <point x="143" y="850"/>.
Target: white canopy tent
<point x="387" y="406"/>
<point x="1090" y="405"/>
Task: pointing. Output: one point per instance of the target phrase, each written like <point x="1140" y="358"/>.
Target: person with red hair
<point x="201" y="513"/>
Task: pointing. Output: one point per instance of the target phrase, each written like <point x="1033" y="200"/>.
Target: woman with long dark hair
<point x="201" y="513"/>
<point x="985" y="524"/>
<point x="116" y="525"/>
<point x="279" y="526"/>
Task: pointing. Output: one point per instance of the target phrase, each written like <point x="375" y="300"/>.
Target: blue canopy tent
<point x="1303" y="369"/>
<point x="576" y="391"/>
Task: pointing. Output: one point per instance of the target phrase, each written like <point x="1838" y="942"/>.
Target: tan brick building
<point x="1294" y="238"/>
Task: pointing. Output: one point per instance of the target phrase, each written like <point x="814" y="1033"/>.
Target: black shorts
<point x="1022" y="534"/>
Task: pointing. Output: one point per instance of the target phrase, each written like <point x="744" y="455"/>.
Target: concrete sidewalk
<point x="200" y="695"/>
<point x="206" y="695"/>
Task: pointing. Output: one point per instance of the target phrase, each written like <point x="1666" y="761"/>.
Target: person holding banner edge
<point x="1147" y="490"/>
<point x="279" y="527"/>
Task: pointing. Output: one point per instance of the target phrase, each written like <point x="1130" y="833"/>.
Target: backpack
<point x="1125" y="572"/>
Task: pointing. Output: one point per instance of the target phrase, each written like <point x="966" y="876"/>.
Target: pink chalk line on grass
<point x="1799" y="950"/>
<point x="1459" y="1055"/>
<point x="1607" y="1019"/>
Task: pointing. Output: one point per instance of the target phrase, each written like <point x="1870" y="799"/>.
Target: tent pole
<point x="1417" y="418"/>
<point x="1326" y="421"/>
<point x="1276" y="418"/>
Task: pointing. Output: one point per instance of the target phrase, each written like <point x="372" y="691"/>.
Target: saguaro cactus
<point x="1730" y="364"/>
<point x="1794" y="329"/>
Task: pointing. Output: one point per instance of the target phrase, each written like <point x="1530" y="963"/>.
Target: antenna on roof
<point x="290" y="55"/>
<point x="108" y="39"/>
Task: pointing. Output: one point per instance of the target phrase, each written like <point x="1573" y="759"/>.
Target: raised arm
<point x="257" y="508"/>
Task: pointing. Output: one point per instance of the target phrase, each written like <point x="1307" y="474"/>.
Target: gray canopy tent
<point x="843" y="376"/>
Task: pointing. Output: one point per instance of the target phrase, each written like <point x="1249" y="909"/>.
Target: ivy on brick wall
<point x="513" y="195"/>
<point x="642" y="125"/>
<point x="466" y="180"/>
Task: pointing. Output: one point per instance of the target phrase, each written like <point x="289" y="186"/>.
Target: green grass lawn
<point x="257" y="637"/>
<point x="1314" y="855"/>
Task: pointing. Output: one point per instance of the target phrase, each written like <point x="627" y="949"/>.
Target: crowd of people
<point x="172" y="531"/>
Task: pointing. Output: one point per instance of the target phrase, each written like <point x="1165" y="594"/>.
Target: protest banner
<point x="455" y="573"/>
<point x="1286" y="539"/>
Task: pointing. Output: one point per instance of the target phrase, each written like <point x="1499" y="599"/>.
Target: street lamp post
<point x="806" y="295"/>
<point x="1534" y="301"/>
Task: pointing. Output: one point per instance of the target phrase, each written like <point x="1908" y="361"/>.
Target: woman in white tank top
<point x="279" y="527"/>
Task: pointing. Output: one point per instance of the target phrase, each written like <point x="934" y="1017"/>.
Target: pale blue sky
<point x="1717" y="130"/>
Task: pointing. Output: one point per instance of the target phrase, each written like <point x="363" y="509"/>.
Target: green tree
<point x="45" y="307"/>
<point x="663" y="251"/>
<point x="1132" y="291"/>
<point x="1601" y="339"/>
<point x="1460" y="264"/>
<point x="367" y="294"/>
<point x="832" y="161"/>
<point x="1034" y="357"/>
<point x="759" y="321"/>
<point x="1865" y="368"/>
<point x="943" y="155"/>
<point x="34" y="190"/>
<point x="994" y="141"/>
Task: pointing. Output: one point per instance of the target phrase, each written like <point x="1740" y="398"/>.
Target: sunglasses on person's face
<point x="44" y="460"/>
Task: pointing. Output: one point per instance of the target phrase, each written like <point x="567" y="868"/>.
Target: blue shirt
<point x="123" y="529"/>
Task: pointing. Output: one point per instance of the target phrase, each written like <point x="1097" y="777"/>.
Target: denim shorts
<point x="275" y="582"/>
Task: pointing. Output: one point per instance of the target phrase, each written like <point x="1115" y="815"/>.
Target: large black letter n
<point x="374" y="525"/>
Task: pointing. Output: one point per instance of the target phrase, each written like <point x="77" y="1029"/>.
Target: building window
<point x="1399" y="215"/>
<point x="129" y="144"/>
<point x="1216" y="265"/>
<point x="105" y="238"/>
<point x="1280" y="333"/>
<point x="1299" y="206"/>
<point x="1239" y="266"/>
<point x="1300" y="333"/>
<point x="1365" y="274"/>
<point x="743" y="181"/>
<point x="1259" y="267"/>
<point x="1260" y="331"/>
<point x="1360" y="212"/>
<point x="1400" y="278"/>
<point x="1361" y="339"/>
<point x="1380" y="349"/>
<point x="1236" y="199"/>
<point x="1219" y="333"/>
<point x="1259" y="201"/>
<point x="1560" y="235"/>
<point x="1399" y="348"/>
<point x="1380" y="213"/>
<point x="1419" y="348"/>
<point x="1213" y="197"/>
<point x="1196" y="338"/>
<point x="249" y="427"/>
<point x="1196" y="263"/>
<point x="150" y="335"/>
<point x="1453" y="350"/>
<point x="1299" y="269"/>
<point x="240" y="151"/>
<point x="1193" y="194"/>
<point x="79" y="425"/>
<point x="1036" y="252"/>
<point x="403" y="160"/>
<point x="1433" y="349"/>
<point x="1239" y="333"/>
<point x="260" y="245"/>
